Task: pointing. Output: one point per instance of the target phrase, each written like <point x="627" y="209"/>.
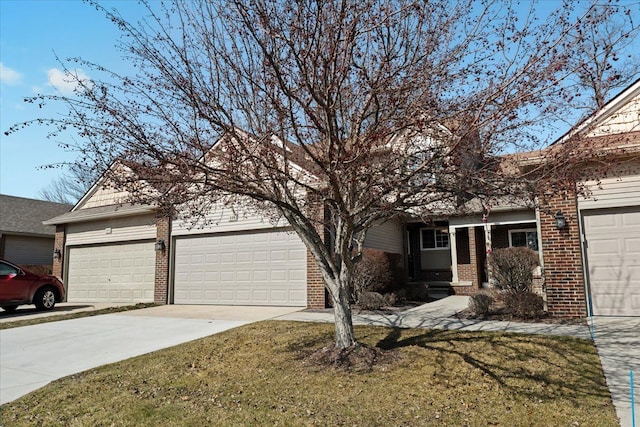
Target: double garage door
<point x="258" y="268"/>
<point x="119" y="273"/>
<point x="613" y="260"/>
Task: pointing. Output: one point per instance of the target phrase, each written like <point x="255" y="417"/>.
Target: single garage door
<point x="260" y="268"/>
<point x="120" y="273"/>
<point x="613" y="260"/>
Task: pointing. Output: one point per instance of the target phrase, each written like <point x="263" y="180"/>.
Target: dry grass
<point x="261" y="374"/>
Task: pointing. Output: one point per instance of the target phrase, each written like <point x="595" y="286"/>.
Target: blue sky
<point x="31" y="34"/>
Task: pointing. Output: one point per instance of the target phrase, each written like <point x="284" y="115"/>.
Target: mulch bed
<point x="502" y="314"/>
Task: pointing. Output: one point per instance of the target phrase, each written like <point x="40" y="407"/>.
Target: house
<point x="24" y="240"/>
<point x="590" y="264"/>
<point x="588" y="247"/>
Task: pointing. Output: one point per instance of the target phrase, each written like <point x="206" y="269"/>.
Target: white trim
<point x="496" y="223"/>
<point x="454" y="254"/>
<point x="609" y="109"/>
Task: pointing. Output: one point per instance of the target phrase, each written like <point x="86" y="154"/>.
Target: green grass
<point x="77" y="315"/>
<point x="259" y="374"/>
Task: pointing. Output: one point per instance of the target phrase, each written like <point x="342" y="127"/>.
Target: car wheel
<point x="45" y="299"/>
<point x="10" y="308"/>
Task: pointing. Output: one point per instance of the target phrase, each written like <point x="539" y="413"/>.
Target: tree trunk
<point x="345" y="336"/>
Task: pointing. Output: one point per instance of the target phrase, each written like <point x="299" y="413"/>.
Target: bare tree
<point x="605" y="59"/>
<point x="71" y="186"/>
<point x="334" y="115"/>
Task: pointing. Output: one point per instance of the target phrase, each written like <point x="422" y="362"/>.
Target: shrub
<point x="512" y="268"/>
<point x="371" y="301"/>
<point x="524" y="304"/>
<point x="480" y="304"/>
<point x="373" y="273"/>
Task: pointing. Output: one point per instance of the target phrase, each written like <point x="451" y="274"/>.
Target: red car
<point x="19" y="287"/>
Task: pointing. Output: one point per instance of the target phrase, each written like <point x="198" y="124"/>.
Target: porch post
<point x="488" y="248"/>
<point x="454" y="254"/>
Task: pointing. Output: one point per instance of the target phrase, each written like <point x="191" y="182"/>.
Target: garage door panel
<point x="266" y="268"/>
<point x="613" y="259"/>
<point x="123" y="273"/>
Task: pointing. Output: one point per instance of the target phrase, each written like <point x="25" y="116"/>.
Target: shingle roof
<point x="100" y="212"/>
<point x="19" y="215"/>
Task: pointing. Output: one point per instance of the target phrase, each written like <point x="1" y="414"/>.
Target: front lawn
<point x="260" y="374"/>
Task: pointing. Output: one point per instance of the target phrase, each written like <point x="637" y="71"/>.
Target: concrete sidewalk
<point x="439" y="315"/>
<point x="618" y="342"/>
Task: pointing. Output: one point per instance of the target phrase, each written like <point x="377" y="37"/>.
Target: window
<point x="434" y="238"/>
<point x="6" y="269"/>
<point x="524" y="238"/>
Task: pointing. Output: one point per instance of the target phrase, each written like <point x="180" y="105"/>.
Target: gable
<point x="106" y="192"/>
<point x="623" y="120"/>
<point x="104" y="196"/>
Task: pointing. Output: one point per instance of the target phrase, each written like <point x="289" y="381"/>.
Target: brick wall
<point x="161" y="288"/>
<point x="315" y="284"/>
<point x="465" y="290"/>
<point x="562" y="259"/>
<point x="468" y="269"/>
<point x="59" y="243"/>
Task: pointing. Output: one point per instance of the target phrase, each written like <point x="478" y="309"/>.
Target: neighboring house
<point x="124" y="253"/>
<point x="24" y="240"/>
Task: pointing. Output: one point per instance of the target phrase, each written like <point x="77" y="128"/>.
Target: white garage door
<point x="264" y="268"/>
<point x="613" y="260"/>
<point x="111" y="273"/>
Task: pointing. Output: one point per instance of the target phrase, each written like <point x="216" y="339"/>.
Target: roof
<point x="101" y="212"/>
<point x="603" y="113"/>
<point x="19" y="215"/>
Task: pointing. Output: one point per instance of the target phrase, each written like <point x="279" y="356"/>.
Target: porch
<point x="449" y="256"/>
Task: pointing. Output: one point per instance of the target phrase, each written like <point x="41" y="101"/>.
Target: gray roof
<point x="101" y="212"/>
<point x="19" y="215"/>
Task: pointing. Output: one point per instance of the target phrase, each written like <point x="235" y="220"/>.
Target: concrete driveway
<point x="618" y="342"/>
<point x="33" y="356"/>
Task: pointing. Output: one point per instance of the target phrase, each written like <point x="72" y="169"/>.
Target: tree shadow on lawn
<point x="539" y="367"/>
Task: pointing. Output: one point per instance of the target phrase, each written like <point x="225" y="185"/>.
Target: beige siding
<point x="225" y="219"/>
<point x="627" y="119"/>
<point x="435" y="259"/>
<point x="29" y="250"/>
<point x="112" y="230"/>
<point x="386" y="237"/>
<point x="104" y="197"/>
<point x="612" y="192"/>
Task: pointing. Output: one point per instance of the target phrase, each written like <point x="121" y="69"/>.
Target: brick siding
<point x="468" y="268"/>
<point x="161" y="286"/>
<point x="59" y="243"/>
<point x="315" y="284"/>
<point x="563" y="274"/>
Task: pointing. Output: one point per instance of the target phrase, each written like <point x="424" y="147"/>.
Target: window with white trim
<point x="434" y="238"/>
<point x="526" y="238"/>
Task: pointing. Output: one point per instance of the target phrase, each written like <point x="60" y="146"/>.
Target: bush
<point x="371" y="301"/>
<point x="524" y="304"/>
<point x="480" y="304"/>
<point x="373" y="273"/>
<point x="512" y="268"/>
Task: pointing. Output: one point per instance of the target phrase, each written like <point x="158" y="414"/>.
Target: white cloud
<point x="9" y="76"/>
<point x="66" y="82"/>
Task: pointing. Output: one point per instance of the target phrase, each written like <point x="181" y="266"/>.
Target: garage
<point x="613" y="260"/>
<point x="245" y="268"/>
<point x="115" y="273"/>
